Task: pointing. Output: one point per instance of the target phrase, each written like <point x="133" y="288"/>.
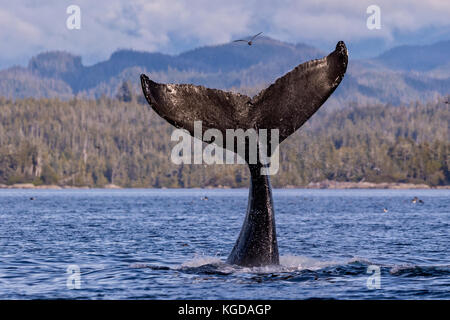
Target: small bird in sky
<point x="249" y="42"/>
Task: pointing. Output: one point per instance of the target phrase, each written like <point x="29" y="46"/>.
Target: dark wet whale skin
<point x="257" y="242"/>
<point x="285" y="105"/>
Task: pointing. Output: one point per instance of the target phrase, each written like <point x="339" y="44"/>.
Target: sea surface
<point x="172" y="244"/>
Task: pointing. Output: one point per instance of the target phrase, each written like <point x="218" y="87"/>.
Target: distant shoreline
<point x="327" y="184"/>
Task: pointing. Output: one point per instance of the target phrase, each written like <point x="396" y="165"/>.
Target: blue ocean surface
<point x="172" y="244"/>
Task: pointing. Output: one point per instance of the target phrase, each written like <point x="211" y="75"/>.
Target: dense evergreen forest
<point x="121" y="141"/>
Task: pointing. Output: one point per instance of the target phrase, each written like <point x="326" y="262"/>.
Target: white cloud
<point x="28" y="26"/>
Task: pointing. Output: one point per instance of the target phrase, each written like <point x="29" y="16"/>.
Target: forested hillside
<point x="98" y="142"/>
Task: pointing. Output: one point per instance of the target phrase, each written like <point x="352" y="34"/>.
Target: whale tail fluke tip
<point x="342" y="51"/>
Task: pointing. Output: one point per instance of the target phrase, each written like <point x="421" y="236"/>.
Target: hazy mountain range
<point x="400" y="75"/>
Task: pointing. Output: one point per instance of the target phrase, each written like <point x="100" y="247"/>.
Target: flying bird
<point x="249" y="42"/>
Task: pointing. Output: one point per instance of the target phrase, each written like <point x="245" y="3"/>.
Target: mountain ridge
<point x="400" y="75"/>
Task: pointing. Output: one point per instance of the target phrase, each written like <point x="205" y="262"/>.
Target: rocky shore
<point x="326" y="184"/>
<point x="54" y="187"/>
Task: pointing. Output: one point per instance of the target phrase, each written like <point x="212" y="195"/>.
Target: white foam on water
<point x="288" y="263"/>
<point x="304" y="263"/>
<point x="139" y="265"/>
<point x="360" y="260"/>
<point x="200" y="261"/>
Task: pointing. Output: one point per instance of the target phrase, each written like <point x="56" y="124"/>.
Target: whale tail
<point x="285" y="105"/>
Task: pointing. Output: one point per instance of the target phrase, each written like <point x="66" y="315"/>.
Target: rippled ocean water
<point x="171" y="244"/>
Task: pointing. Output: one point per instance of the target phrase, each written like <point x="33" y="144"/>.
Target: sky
<point x="28" y="27"/>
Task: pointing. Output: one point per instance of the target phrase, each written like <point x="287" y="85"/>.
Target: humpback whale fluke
<point x="285" y="105"/>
